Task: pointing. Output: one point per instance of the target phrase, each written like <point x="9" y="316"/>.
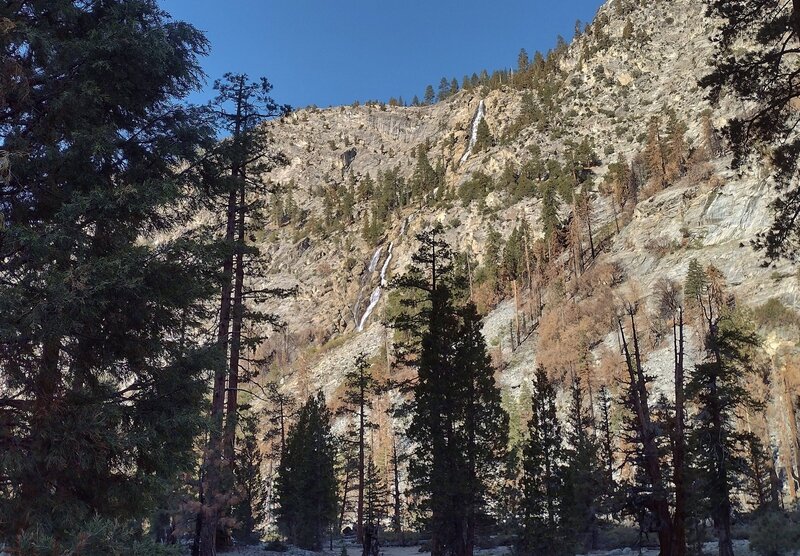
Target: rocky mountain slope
<point x="636" y="60"/>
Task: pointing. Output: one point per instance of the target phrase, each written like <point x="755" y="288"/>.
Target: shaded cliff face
<point x="641" y="59"/>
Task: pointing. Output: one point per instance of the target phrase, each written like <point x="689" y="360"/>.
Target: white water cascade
<point x="386" y="265"/>
<point x="376" y="293"/>
<point x="373" y="262"/>
<point x="373" y="301"/>
<point x="474" y="134"/>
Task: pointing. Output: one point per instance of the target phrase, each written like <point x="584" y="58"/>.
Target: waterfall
<point x="386" y="265"/>
<point x="376" y="293"/>
<point x="373" y="300"/>
<point x="373" y="263"/>
<point x="474" y="134"/>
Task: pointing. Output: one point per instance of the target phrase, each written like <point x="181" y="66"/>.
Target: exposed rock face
<point x="615" y="81"/>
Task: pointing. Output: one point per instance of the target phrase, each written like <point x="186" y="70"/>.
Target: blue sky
<point x="331" y="52"/>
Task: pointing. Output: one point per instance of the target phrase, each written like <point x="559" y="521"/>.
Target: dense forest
<point x="140" y="413"/>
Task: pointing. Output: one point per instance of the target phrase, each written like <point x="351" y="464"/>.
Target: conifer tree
<point x="542" y="533"/>
<point x="424" y="179"/>
<point x="522" y="61"/>
<point x="306" y="485"/>
<point x="649" y="494"/>
<point x="444" y="90"/>
<point x="359" y="389"/>
<point x="453" y="86"/>
<point x="376" y="495"/>
<point x="583" y="474"/>
<point x="430" y="96"/>
<point x="762" y="74"/>
<point x="607" y="452"/>
<point x="251" y="492"/>
<point x="717" y="386"/>
<point x="551" y="224"/>
<point x="238" y="108"/>
<point x="104" y="281"/>
<point x="483" y="137"/>
<point x="456" y="420"/>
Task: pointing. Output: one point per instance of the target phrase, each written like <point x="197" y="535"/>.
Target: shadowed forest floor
<point x="741" y="548"/>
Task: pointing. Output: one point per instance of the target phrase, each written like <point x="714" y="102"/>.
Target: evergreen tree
<point x="359" y="389"/>
<point x="696" y="281"/>
<point x="306" y="485"/>
<point x="104" y="283"/>
<point x="483" y="137"/>
<point x="607" y="452"/>
<point x="444" y="89"/>
<point x="717" y="386"/>
<point x="429" y="96"/>
<point x="376" y="495"/>
<point x="522" y="61"/>
<point x="424" y="179"/>
<point x="647" y="497"/>
<point x="542" y="533"/>
<point x="762" y="74"/>
<point x="453" y="86"/>
<point x="583" y="474"/>
<point x="456" y="420"/>
<point x="251" y="491"/>
<point x="238" y="109"/>
<point x="551" y="224"/>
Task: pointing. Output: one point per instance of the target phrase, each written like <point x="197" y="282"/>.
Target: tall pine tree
<point x="103" y="284"/>
<point x="456" y="421"/>
<point x="306" y="485"/>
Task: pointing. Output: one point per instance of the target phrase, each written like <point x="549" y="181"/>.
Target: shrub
<point x="775" y="534"/>
<point x="774" y="314"/>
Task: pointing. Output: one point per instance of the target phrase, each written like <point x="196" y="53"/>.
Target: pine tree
<point x="607" y="452"/>
<point x="430" y="96"/>
<point x="306" y="485"/>
<point x="695" y="285"/>
<point x="251" y="492"/>
<point x="444" y="90"/>
<point x="424" y="179"/>
<point x="483" y="137"/>
<point x="717" y="386"/>
<point x="376" y="495"/>
<point x="764" y="75"/>
<point x="456" y="419"/>
<point x="551" y="224"/>
<point x="522" y="61"/>
<point x="649" y="493"/>
<point x="542" y="533"/>
<point x="583" y="474"/>
<point x="359" y="389"/>
<point x="238" y="109"/>
<point x="105" y="282"/>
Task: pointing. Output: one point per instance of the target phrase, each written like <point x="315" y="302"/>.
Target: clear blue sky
<point x="331" y="52"/>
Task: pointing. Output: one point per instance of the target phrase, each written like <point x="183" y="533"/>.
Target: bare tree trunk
<point x="791" y="417"/>
<point x="214" y="450"/>
<point x="360" y="507"/>
<point x="652" y="464"/>
<point x="679" y="445"/>
<point x="397" y="518"/>
<point x="231" y="409"/>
